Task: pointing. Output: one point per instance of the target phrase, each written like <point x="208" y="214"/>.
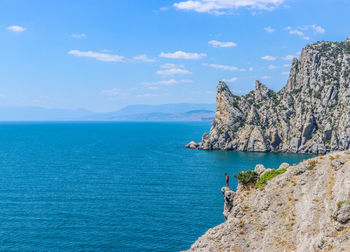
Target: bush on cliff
<point x="268" y="176"/>
<point x="247" y="177"/>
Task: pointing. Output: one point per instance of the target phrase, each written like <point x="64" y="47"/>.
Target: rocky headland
<point x="310" y="114"/>
<point x="301" y="208"/>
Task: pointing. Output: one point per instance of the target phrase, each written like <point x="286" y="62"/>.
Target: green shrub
<point x="318" y="94"/>
<point x="247" y="177"/>
<point x="258" y="105"/>
<point x="235" y="104"/>
<point x="295" y="91"/>
<point x="275" y="98"/>
<point x="312" y="164"/>
<point x="340" y="203"/>
<point x="242" y="123"/>
<point x="268" y="176"/>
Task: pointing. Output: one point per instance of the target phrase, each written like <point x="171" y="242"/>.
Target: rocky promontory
<point x="300" y="208"/>
<point x="310" y="114"/>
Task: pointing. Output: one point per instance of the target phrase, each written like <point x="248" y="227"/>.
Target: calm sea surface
<point x="112" y="186"/>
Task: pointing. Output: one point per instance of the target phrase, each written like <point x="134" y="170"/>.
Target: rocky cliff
<point x="304" y="208"/>
<point x="311" y="114"/>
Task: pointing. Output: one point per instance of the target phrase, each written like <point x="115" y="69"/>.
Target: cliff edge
<point x="305" y="207"/>
<point x="311" y="114"/>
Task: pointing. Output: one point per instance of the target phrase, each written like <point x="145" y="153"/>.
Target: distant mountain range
<point x="165" y="112"/>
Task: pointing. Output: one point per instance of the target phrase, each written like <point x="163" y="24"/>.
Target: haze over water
<point x="122" y="186"/>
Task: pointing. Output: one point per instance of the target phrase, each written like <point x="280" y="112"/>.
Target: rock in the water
<point x="311" y="114"/>
<point x="192" y="145"/>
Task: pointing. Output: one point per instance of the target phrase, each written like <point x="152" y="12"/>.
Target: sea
<point x="113" y="186"/>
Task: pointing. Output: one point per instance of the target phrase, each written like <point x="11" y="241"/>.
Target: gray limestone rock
<point x="260" y="169"/>
<point x="229" y="195"/>
<point x="311" y="114"/>
<point x="192" y="145"/>
<point x="295" y="211"/>
<point x="343" y="214"/>
<point x="283" y="166"/>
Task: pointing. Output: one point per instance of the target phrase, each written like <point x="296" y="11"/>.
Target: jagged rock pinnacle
<point x="311" y="114"/>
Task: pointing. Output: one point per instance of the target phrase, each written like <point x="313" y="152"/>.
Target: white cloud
<point x="161" y="83"/>
<point x="286" y="65"/>
<point x="224" y="67"/>
<point x="225" y="6"/>
<point x="118" y="93"/>
<point x="272" y="67"/>
<point x="165" y="82"/>
<point x="170" y="65"/>
<point x="186" y="81"/>
<point x="289" y="57"/>
<point x="215" y="43"/>
<point x="146" y="95"/>
<point x="182" y="55"/>
<point x="111" y="92"/>
<point x="251" y="68"/>
<point x="16" y="28"/>
<point x="269" y="29"/>
<point x="231" y="80"/>
<point x="285" y="73"/>
<point x="265" y="77"/>
<point x="267" y="57"/>
<point x="98" y="56"/>
<point x="299" y="33"/>
<point x="173" y="71"/>
<point x="300" y="30"/>
<point x="153" y="88"/>
<point x="78" y="36"/>
<point x="316" y="28"/>
<point x="143" y="58"/>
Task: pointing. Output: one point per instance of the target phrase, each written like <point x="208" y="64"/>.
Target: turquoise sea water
<point x="112" y="186"/>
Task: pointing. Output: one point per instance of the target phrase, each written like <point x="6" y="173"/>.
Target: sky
<point x="103" y="55"/>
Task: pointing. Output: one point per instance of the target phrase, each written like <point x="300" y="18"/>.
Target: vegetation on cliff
<point x="294" y="208"/>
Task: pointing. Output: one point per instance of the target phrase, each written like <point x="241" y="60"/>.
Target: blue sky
<point x="102" y="55"/>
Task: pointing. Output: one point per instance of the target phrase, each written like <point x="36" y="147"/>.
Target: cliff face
<point x="311" y="114"/>
<point x="306" y="208"/>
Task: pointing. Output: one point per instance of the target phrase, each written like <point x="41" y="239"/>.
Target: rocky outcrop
<point x="311" y="114"/>
<point x="306" y="208"/>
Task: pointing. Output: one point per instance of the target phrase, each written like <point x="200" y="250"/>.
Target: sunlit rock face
<point x="305" y="208"/>
<point x="311" y="114"/>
